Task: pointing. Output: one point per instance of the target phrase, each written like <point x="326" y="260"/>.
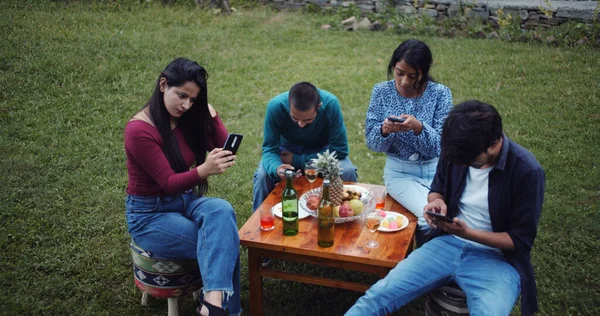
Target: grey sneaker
<point x="266" y="263"/>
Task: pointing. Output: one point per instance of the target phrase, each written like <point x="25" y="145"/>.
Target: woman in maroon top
<point x="167" y="212"/>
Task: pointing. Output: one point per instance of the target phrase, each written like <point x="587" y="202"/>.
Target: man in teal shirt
<point x="298" y="125"/>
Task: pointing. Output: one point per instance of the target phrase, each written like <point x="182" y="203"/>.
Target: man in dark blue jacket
<point x="492" y="189"/>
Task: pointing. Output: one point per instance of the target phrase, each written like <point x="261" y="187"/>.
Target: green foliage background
<point x="73" y="73"/>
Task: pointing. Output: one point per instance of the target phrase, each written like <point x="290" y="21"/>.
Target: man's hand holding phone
<point x="283" y="167"/>
<point x="438" y="207"/>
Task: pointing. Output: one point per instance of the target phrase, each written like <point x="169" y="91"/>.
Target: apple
<point x="357" y="206"/>
<point x="346" y="210"/>
<point x="313" y="202"/>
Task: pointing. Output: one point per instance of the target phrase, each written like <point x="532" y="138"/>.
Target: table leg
<point x="256" y="283"/>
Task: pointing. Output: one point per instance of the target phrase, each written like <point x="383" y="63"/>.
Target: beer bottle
<point x="325" y="219"/>
<point x="289" y="201"/>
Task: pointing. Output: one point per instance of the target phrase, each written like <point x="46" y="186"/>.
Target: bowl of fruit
<point x="355" y="202"/>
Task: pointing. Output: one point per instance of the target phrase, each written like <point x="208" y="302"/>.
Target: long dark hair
<point x="195" y="123"/>
<point x="417" y="55"/>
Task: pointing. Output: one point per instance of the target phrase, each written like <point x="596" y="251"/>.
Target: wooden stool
<point x="447" y="300"/>
<point x="165" y="278"/>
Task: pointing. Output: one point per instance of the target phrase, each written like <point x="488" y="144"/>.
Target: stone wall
<point x="533" y="14"/>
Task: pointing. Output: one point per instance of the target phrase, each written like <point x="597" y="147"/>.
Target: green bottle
<point x="289" y="201"/>
<point x="325" y="219"/>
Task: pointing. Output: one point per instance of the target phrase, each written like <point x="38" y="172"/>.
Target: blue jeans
<point x="491" y="284"/>
<point x="409" y="182"/>
<point x="263" y="184"/>
<point x="184" y="226"/>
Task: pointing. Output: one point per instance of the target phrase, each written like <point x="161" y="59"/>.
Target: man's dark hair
<point x="304" y="96"/>
<point x="469" y="130"/>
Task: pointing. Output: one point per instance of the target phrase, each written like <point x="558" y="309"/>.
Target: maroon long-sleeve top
<point x="148" y="169"/>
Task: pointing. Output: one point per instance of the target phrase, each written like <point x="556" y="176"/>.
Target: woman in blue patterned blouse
<point x="412" y="146"/>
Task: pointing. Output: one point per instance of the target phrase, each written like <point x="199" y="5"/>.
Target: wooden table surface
<point x="347" y="252"/>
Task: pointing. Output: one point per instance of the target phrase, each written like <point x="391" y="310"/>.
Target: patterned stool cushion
<point x="448" y="300"/>
<point x="162" y="277"/>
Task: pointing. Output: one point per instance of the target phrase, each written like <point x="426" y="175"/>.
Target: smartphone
<point x="440" y="216"/>
<point x="233" y="142"/>
<point x="397" y="119"/>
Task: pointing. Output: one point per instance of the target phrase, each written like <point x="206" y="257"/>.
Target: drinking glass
<point x="372" y="221"/>
<point x="379" y="196"/>
<point x="267" y="220"/>
<point x="310" y="171"/>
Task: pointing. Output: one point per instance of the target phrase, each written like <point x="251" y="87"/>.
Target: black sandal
<point x="212" y="309"/>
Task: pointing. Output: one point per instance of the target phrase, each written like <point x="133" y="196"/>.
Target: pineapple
<point x="329" y="166"/>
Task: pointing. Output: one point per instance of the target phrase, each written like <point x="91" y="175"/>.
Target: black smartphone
<point x="233" y="142"/>
<point x="397" y="119"/>
<point x="440" y="216"/>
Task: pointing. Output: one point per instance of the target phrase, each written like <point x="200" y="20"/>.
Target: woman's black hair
<point x="469" y="130"/>
<point x="195" y="123"/>
<point x="417" y="55"/>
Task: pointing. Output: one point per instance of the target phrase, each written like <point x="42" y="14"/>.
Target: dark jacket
<point x="515" y="196"/>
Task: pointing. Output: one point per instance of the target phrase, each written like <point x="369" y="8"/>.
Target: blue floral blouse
<point x="431" y="108"/>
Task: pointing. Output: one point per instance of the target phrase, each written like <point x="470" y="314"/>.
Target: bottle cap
<point x="326" y="182"/>
<point x="287" y="172"/>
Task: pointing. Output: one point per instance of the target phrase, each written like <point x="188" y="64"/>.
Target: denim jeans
<point x="409" y="182"/>
<point x="491" y="284"/>
<point x="185" y="226"/>
<point x="263" y="184"/>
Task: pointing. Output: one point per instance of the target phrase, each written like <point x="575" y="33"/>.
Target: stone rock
<point x="441" y="31"/>
<point x="493" y="35"/>
<point x="441" y="8"/>
<point x="429" y="12"/>
<point x="349" y="21"/>
<point x="551" y="40"/>
<point x="534" y="16"/>
<point x="479" y="13"/>
<point x="429" y="6"/>
<point x="524" y="15"/>
<point x="364" y="24"/>
<point x="389" y="25"/>
<point x="452" y="32"/>
<point x="494" y="22"/>
<point x="453" y="10"/>
<point x="376" y="26"/>
<point x="366" y="7"/>
<point x="380" y="6"/>
<point x="537" y="38"/>
<point x="325" y="27"/>
<point x="523" y="38"/>
<point x="586" y="16"/>
<point x="582" y="41"/>
<point x="346" y="4"/>
<point x="401" y="27"/>
<point x="406" y="10"/>
<point x="479" y="34"/>
<point x="507" y="38"/>
<point x="429" y="29"/>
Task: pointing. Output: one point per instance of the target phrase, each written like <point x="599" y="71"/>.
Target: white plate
<point x="366" y="198"/>
<point x="277" y="211"/>
<point x="393" y="215"/>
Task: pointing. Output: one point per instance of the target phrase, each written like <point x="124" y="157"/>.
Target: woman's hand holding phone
<point x="217" y="161"/>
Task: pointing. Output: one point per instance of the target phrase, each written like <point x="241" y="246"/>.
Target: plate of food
<point x="392" y="222"/>
<point x="277" y="211"/>
<point x="356" y="201"/>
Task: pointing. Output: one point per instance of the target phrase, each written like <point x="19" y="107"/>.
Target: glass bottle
<point x="325" y="219"/>
<point x="289" y="201"/>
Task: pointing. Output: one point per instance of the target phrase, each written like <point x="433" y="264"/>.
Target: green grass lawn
<point x="72" y="74"/>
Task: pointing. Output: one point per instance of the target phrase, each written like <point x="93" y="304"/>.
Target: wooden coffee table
<point x="348" y="252"/>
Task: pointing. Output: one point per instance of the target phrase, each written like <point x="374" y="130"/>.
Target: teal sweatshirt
<point x="327" y="129"/>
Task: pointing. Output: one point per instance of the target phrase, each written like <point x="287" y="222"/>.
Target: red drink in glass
<point x="267" y="222"/>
